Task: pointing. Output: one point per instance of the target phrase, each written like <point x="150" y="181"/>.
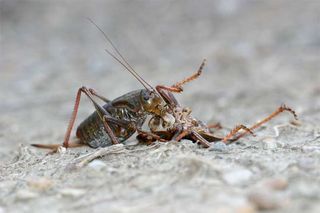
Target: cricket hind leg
<point x="281" y="109"/>
<point x="89" y="92"/>
<point x="54" y="147"/>
<point x="235" y="130"/>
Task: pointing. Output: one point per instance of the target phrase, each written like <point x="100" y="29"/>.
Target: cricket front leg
<point x="150" y="137"/>
<point x="165" y="91"/>
<point x="216" y="126"/>
<point x="177" y="87"/>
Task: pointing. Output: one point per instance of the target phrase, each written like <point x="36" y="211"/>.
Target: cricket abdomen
<point x="92" y="131"/>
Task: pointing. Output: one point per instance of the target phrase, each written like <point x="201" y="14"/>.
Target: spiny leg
<point x="177" y="87"/>
<point x="99" y="109"/>
<point x="181" y="134"/>
<point x="192" y="77"/>
<point x="214" y="126"/>
<point x="54" y="147"/>
<point x="210" y="137"/>
<point x="73" y="118"/>
<point x="149" y="137"/>
<point x="94" y="93"/>
<point x="234" y="131"/>
<point x="201" y="139"/>
<point x="70" y="125"/>
<point x="165" y="91"/>
<point x="272" y="115"/>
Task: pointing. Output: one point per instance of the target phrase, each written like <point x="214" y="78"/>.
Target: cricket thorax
<point x="177" y="118"/>
<point x="128" y="115"/>
<point x="185" y="121"/>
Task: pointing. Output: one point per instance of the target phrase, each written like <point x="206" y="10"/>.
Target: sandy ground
<point x="260" y="55"/>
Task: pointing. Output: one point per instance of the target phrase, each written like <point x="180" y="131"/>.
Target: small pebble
<point x="280" y="144"/>
<point x="40" y="184"/>
<point x="97" y="165"/>
<point x="269" y="143"/>
<point x="61" y="150"/>
<point x="307" y="149"/>
<point x="219" y="146"/>
<point x="267" y="200"/>
<point x="306" y="163"/>
<point x="26" y="195"/>
<point x="237" y="176"/>
<point x="249" y="208"/>
<point x="72" y="192"/>
<point x="276" y="183"/>
<point x="296" y="122"/>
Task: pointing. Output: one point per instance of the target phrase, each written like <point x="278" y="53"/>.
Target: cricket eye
<point x="146" y="97"/>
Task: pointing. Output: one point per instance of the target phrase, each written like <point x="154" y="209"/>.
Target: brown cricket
<point x="118" y="119"/>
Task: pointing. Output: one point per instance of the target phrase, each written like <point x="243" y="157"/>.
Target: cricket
<point x="118" y="119"/>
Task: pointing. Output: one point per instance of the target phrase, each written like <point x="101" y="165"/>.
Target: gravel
<point x="260" y="54"/>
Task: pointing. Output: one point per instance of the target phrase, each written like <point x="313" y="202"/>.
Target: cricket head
<point x="155" y="105"/>
<point x="151" y="102"/>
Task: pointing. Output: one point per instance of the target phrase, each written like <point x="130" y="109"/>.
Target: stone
<point x="265" y="199"/>
<point x="269" y="143"/>
<point x="26" y="195"/>
<point x="306" y="164"/>
<point x="40" y="184"/>
<point x="308" y="149"/>
<point x="72" y="192"/>
<point x="219" y="146"/>
<point x="276" y="183"/>
<point x="237" y="176"/>
<point x="97" y="165"/>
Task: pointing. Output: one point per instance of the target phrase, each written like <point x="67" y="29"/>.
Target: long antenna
<point x="113" y="56"/>
<point x="128" y="66"/>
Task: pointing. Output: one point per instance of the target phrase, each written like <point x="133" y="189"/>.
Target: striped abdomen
<point x="92" y="132"/>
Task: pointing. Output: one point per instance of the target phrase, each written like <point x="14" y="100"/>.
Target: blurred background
<point x="260" y="54"/>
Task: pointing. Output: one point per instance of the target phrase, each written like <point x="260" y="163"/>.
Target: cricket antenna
<point x="121" y="60"/>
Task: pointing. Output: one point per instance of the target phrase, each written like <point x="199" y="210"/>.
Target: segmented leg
<point x="234" y="131"/>
<point x="201" y="139"/>
<point x="177" y="87"/>
<point x="94" y="93"/>
<point x="165" y="91"/>
<point x="162" y="136"/>
<point x="149" y="137"/>
<point x="210" y="137"/>
<point x="214" y="126"/>
<point x="181" y="135"/>
<point x="272" y="115"/>
<point x="101" y="111"/>
<point x="54" y="147"/>
<point x="192" y="77"/>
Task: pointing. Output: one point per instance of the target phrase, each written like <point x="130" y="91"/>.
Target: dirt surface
<point x="260" y="55"/>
